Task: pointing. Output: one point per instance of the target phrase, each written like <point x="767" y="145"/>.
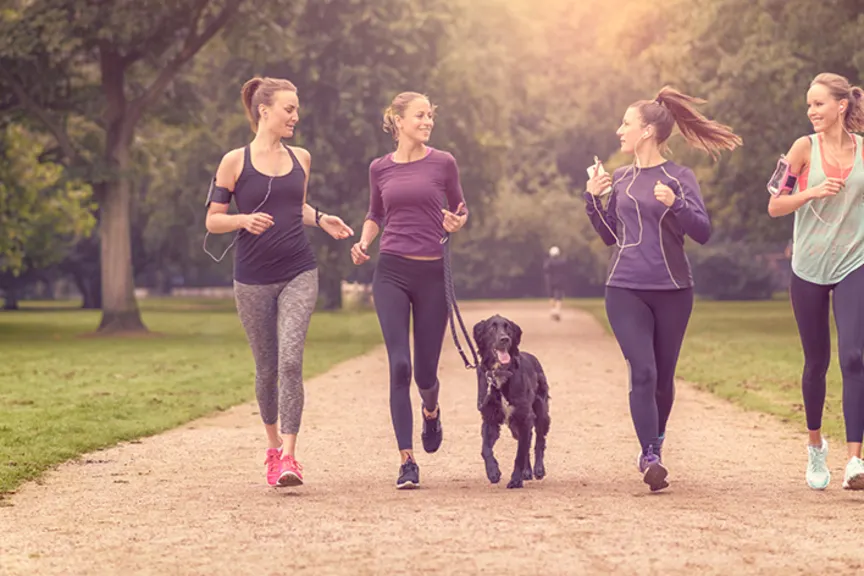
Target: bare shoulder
<point x="230" y="168"/>
<point x="233" y="157"/>
<point x="799" y="153"/>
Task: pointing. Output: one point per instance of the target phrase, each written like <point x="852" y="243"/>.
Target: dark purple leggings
<point x="810" y="303"/>
<point x="649" y="326"/>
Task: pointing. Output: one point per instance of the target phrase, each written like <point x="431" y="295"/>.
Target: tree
<point x="124" y="58"/>
<point x="42" y="214"/>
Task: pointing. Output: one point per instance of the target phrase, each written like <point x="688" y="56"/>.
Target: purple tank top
<point x="283" y="252"/>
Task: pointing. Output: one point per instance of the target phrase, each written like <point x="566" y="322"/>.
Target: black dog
<point x="511" y="385"/>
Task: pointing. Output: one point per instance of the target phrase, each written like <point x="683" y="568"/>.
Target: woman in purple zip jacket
<point x="653" y="203"/>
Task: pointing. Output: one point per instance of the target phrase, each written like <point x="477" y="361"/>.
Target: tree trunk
<point x="10" y="295"/>
<point x="119" y="309"/>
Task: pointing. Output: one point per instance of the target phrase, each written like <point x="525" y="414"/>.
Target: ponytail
<point x="389" y="123"/>
<point x="247" y="93"/>
<point x="671" y="107"/>
<point x="854" y="118"/>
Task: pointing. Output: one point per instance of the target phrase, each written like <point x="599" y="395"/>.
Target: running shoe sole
<point x="288" y="479"/>
<point x="855" y="483"/>
<point x="409" y="485"/>
<point x="655" y="477"/>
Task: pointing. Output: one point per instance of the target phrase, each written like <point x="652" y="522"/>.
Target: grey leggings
<point x="276" y="319"/>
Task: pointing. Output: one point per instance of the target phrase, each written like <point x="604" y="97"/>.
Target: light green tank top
<point x="828" y="242"/>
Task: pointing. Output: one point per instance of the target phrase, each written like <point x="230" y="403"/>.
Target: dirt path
<point x="193" y="501"/>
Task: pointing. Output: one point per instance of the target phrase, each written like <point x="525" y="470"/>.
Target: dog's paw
<point x="539" y="470"/>
<point x="515" y="481"/>
<point x="493" y="472"/>
<point x="527" y="474"/>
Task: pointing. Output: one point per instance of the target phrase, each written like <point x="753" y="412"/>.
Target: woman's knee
<point x="815" y="369"/>
<point x="400" y="371"/>
<point x="642" y="376"/>
<point x="851" y="360"/>
<point x="291" y="367"/>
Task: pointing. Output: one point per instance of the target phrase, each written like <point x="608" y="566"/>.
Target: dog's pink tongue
<point x="503" y="356"/>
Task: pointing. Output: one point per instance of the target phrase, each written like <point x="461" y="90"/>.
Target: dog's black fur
<point x="523" y="385"/>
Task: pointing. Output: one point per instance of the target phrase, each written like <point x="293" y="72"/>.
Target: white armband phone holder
<point x="782" y="179"/>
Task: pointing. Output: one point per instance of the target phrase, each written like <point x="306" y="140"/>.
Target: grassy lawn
<point x="749" y="353"/>
<point x="63" y="393"/>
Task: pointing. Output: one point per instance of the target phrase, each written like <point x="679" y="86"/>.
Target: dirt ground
<point x="194" y="501"/>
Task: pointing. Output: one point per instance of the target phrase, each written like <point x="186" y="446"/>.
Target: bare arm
<point x="306" y="161"/>
<point x="369" y="233"/>
<point x="787" y="203"/>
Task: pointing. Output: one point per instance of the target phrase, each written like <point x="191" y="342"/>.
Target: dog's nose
<point x="504" y="340"/>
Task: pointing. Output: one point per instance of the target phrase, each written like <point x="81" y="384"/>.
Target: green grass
<point x="749" y="353"/>
<point x="64" y="392"/>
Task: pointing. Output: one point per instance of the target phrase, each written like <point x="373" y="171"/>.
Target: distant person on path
<point x="828" y="256"/>
<point x="415" y="196"/>
<point x="652" y="205"/>
<point x="554" y="269"/>
<point x="275" y="272"/>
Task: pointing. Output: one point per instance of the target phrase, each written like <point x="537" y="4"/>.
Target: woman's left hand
<point x="664" y="194"/>
<point x="453" y="222"/>
<point x="334" y="226"/>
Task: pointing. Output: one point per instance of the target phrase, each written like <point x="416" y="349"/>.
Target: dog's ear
<point x="479" y="332"/>
<point x="516" y="338"/>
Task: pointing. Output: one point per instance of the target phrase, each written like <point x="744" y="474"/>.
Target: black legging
<point x="649" y="326"/>
<point x="401" y="286"/>
<point x="810" y="305"/>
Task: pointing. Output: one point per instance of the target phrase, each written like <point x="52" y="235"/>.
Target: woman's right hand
<point x="257" y="222"/>
<point x="830" y="187"/>
<point x="598" y="182"/>
<point x="358" y="252"/>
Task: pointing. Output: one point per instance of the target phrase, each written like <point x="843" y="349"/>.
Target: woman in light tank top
<point x="828" y="256"/>
<point x="275" y="273"/>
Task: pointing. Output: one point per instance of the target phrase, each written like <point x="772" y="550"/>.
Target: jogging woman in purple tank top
<point x="415" y="195"/>
<point x="275" y="273"/>
<point x="652" y="205"/>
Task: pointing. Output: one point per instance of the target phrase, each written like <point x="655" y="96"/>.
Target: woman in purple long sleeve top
<point x="415" y="196"/>
<point x="653" y="205"/>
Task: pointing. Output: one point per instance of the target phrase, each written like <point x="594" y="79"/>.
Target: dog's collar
<point x="490" y="382"/>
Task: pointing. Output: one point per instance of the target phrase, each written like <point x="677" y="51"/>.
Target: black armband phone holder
<point x="218" y="194"/>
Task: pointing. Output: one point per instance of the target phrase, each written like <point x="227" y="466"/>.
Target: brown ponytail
<point x="671" y="107"/>
<point x="841" y="89"/>
<point x="397" y="108"/>
<point x="259" y="91"/>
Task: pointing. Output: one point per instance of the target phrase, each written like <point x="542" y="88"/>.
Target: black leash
<point x="453" y="308"/>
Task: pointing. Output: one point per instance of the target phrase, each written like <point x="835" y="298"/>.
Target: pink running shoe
<point x="292" y="472"/>
<point x="274" y="465"/>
